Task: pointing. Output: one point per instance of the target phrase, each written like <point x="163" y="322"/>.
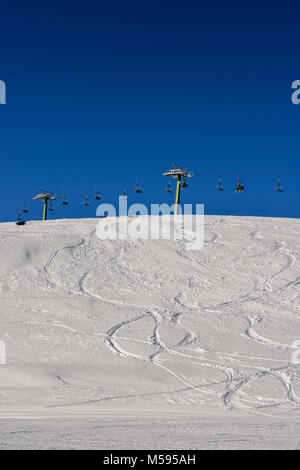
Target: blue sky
<point x="104" y="92"/>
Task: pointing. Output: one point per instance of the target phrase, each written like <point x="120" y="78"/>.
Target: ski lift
<point x="86" y="201"/>
<point x="124" y="194"/>
<point x="64" y="200"/>
<point x="51" y="207"/>
<point x="19" y="219"/>
<point x="278" y="186"/>
<point x="97" y="195"/>
<point x="138" y="189"/>
<point x="169" y="187"/>
<point x="240" y="186"/>
<point x="184" y="185"/>
<point x="24" y="209"/>
<point x="220" y="185"/>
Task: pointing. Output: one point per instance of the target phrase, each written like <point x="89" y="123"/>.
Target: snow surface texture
<point x="142" y="344"/>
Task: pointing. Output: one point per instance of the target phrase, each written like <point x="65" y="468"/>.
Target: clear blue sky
<point x="102" y="92"/>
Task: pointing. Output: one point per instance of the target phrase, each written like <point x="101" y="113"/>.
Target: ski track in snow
<point x="230" y="390"/>
<point x="231" y="386"/>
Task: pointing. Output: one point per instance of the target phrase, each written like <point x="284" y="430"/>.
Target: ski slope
<point x="143" y="344"/>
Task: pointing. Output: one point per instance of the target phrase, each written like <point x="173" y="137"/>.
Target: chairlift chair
<point x="64" y="200"/>
<point x="278" y="186"/>
<point x="86" y="201"/>
<point x="24" y="209"/>
<point x="169" y="187"/>
<point x="19" y="220"/>
<point x="124" y="194"/>
<point x="138" y="189"/>
<point x="220" y="185"/>
<point x="97" y="195"/>
<point x="184" y="185"/>
<point x="240" y="186"/>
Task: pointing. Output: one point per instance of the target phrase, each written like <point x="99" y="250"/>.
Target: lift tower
<point x="47" y="196"/>
<point x="180" y="173"/>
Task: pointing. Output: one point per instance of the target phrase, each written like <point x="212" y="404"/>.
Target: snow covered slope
<point x="147" y="328"/>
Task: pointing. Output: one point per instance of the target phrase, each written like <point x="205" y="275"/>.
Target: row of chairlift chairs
<point x="65" y="202"/>
<point x="97" y="197"/>
<point x="85" y="202"/>
<point x="240" y="187"/>
<point x="169" y="188"/>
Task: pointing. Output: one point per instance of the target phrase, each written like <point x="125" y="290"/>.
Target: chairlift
<point x="19" y="220"/>
<point x="97" y="195"/>
<point x="240" y="186"/>
<point x="51" y="207"/>
<point x="19" y="215"/>
<point x="278" y="186"/>
<point x="86" y="201"/>
<point x="138" y="189"/>
<point x="169" y="187"/>
<point x="24" y="209"/>
<point x="64" y="200"/>
<point x="220" y="185"/>
<point x="184" y="185"/>
<point x="124" y="194"/>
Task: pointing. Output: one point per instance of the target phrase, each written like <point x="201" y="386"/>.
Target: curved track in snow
<point x="209" y="328"/>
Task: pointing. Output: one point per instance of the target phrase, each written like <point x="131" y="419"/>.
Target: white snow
<point x="143" y="344"/>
